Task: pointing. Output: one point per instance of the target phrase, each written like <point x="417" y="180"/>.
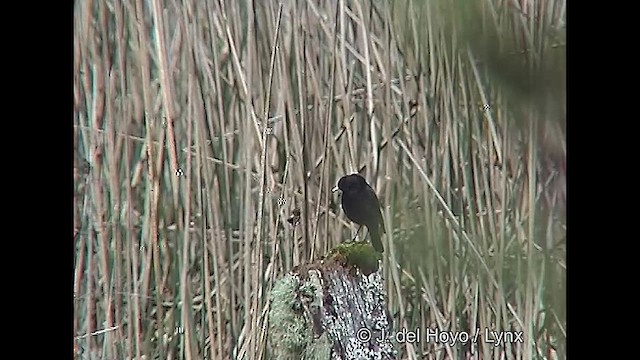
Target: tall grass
<point x="200" y="126"/>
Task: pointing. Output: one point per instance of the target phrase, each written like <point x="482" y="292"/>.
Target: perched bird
<point x="361" y="205"/>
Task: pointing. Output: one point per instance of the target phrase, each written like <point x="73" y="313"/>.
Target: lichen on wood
<point x="334" y="308"/>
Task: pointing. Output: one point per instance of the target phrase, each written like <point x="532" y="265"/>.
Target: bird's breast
<point x="355" y="211"/>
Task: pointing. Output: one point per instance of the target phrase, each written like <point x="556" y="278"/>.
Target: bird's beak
<point x="335" y="188"/>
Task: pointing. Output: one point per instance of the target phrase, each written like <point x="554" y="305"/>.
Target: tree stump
<point x="333" y="308"/>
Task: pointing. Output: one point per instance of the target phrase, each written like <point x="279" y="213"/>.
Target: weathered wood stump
<point x="334" y="308"/>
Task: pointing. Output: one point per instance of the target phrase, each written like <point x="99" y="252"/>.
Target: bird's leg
<point x="357" y="232"/>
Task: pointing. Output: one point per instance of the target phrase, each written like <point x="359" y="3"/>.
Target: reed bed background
<point x="202" y="126"/>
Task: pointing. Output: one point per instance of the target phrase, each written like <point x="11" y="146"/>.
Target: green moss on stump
<point x="356" y="255"/>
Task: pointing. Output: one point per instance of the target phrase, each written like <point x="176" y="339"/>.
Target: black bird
<point x="361" y="205"/>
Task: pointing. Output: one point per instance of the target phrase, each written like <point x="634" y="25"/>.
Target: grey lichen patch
<point x="358" y="255"/>
<point x="294" y="332"/>
<point x="288" y="333"/>
<point x="355" y="315"/>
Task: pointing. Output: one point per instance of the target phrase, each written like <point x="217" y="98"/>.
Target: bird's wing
<point x="374" y="212"/>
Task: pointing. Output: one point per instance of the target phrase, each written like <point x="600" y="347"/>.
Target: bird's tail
<point x="375" y="238"/>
